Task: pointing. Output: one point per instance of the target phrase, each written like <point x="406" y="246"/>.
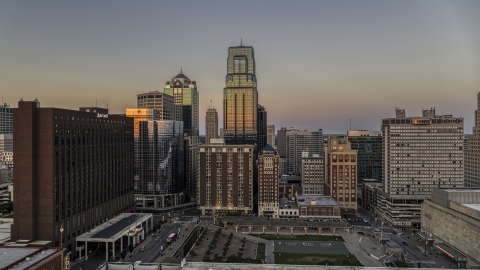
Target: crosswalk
<point x="426" y="262"/>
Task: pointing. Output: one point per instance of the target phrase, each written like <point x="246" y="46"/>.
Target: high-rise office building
<point x="302" y="140"/>
<point x="159" y="101"/>
<point x="185" y="100"/>
<point x="313" y="174"/>
<point x="261" y="127"/>
<point x="211" y="125"/>
<point x="158" y="160"/>
<point x="341" y="181"/>
<point x="369" y="159"/>
<point x="6" y="119"/>
<point x="282" y="142"/>
<point x="268" y="182"/>
<point x="225" y="177"/>
<point x="240" y="97"/>
<point x="419" y="153"/>
<point x="472" y="153"/>
<point x="73" y="169"/>
<point x="271" y="135"/>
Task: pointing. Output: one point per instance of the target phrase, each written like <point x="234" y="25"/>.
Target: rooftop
<point x="27" y="255"/>
<point x="115" y="227"/>
<point x="325" y="201"/>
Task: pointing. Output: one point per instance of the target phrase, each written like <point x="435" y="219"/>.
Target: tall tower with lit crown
<point x="240" y="97"/>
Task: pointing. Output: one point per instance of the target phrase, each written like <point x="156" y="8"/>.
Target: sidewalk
<point x="362" y="250"/>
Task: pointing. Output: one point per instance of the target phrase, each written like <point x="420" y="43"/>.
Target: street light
<point x="61" y="236"/>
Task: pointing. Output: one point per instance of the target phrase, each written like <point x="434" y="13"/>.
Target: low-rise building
<point x="318" y="207"/>
<point x="450" y="222"/>
<point x="288" y="208"/>
<point x="29" y="257"/>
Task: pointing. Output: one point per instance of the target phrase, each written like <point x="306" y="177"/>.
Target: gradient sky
<point x="319" y="63"/>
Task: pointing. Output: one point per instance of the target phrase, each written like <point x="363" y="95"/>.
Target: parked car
<point x="142" y="248"/>
<point x="405" y="243"/>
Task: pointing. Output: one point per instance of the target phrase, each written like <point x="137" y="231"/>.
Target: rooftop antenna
<point x="95" y="102"/>
<point x="210" y="104"/>
<point x="241" y="42"/>
<point x="181" y="70"/>
<point x="350" y="123"/>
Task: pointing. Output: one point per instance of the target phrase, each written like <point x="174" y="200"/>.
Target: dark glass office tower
<point x="369" y="147"/>
<point x="261" y="127"/>
<point x="240" y="97"/>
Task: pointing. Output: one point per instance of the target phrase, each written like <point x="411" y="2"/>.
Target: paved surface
<point x="288" y="246"/>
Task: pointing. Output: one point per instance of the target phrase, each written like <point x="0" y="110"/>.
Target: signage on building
<point x="66" y="262"/>
<point x="102" y="115"/>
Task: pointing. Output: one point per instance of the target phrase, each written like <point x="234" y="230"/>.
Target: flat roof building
<point x="73" y="170"/>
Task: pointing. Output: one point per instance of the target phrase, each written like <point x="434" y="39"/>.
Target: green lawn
<point x="299" y="237"/>
<point x="261" y="251"/>
<point x="316" y="259"/>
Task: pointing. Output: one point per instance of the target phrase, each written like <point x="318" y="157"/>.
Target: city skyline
<point x="407" y="54"/>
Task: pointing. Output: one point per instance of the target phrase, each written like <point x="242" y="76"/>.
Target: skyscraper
<point x="185" y="100"/>
<point x="211" y="125"/>
<point x="158" y="101"/>
<point x="158" y="160"/>
<point x="271" y="135"/>
<point x="73" y="169"/>
<point x="341" y="164"/>
<point x="261" y="127"/>
<point x="302" y="140"/>
<point x="369" y="159"/>
<point x="240" y="97"/>
<point x="419" y="153"/>
<point x="282" y="142"/>
<point x="268" y="182"/>
<point x="472" y="154"/>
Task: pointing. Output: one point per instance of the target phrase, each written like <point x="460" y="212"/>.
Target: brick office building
<point x="73" y="171"/>
<point x="268" y="182"/>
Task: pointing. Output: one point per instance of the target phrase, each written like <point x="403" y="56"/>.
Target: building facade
<point x="313" y="174"/>
<point x="73" y="170"/>
<point x="159" y="101"/>
<point x="190" y="144"/>
<point x="6" y="119"/>
<point x="298" y="141"/>
<point x="224" y="178"/>
<point x="268" y="182"/>
<point x="472" y="153"/>
<point x="158" y="162"/>
<point x="450" y="222"/>
<point x="419" y="153"/>
<point x="341" y="166"/>
<point x="185" y="102"/>
<point x="271" y="136"/>
<point x="369" y="147"/>
<point x="240" y="97"/>
<point x="211" y="125"/>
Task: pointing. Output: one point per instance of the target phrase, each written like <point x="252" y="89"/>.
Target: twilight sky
<point x="319" y="63"/>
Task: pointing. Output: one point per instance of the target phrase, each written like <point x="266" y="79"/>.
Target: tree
<point x="130" y="248"/>
<point x="123" y="254"/>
